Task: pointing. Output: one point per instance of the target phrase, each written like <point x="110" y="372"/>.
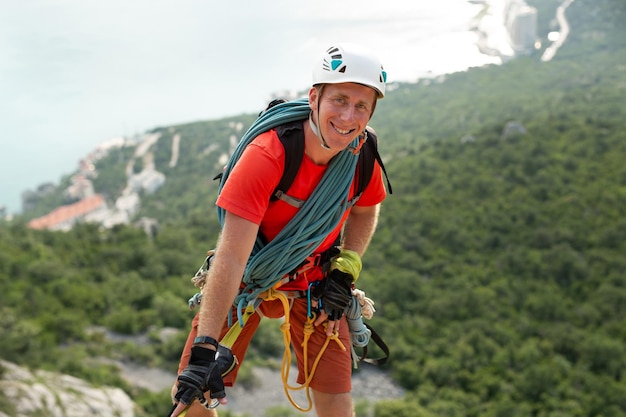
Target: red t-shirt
<point x="256" y="175"/>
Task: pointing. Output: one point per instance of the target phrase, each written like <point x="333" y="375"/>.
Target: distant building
<point x="521" y="25"/>
<point x="114" y="218"/>
<point x="128" y="203"/>
<point x="87" y="168"/>
<point x="65" y="217"/>
<point x="80" y="188"/>
<point x="147" y="180"/>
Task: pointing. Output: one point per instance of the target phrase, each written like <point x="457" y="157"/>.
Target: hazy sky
<point x="74" y="73"/>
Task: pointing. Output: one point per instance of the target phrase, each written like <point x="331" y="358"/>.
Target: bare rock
<point x="58" y="395"/>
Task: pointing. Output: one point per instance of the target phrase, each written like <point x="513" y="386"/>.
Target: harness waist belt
<point x="322" y="260"/>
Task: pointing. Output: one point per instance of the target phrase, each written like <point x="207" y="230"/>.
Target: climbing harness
<point x="360" y="306"/>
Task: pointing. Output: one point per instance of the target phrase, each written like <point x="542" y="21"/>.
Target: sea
<point x="76" y="73"/>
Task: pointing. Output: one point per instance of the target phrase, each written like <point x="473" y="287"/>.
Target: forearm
<point x="359" y="228"/>
<point x="218" y="293"/>
<point x="222" y="285"/>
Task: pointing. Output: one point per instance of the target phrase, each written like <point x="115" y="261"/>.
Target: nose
<point x="348" y="113"/>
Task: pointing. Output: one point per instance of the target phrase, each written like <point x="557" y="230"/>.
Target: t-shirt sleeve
<point x="253" y="179"/>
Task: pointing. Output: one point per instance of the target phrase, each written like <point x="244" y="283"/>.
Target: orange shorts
<point x="334" y="370"/>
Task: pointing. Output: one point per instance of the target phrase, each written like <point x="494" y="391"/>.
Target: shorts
<point x="334" y="370"/>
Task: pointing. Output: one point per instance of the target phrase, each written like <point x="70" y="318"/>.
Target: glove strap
<point x="202" y="356"/>
<point x="201" y="340"/>
<point x="349" y="262"/>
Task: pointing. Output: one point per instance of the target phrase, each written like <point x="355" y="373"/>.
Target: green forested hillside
<point x="498" y="268"/>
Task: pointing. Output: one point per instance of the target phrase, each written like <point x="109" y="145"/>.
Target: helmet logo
<point x="336" y="61"/>
<point x="350" y="63"/>
<point x="334" y="65"/>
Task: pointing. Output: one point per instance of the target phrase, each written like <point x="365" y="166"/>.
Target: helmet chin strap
<point x="317" y="132"/>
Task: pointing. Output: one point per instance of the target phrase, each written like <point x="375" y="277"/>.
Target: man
<point x="347" y="82"/>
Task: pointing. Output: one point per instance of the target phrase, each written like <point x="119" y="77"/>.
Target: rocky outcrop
<point x="57" y="395"/>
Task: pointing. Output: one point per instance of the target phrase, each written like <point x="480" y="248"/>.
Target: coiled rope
<point x="360" y="306"/>
<point x="320" y="214"/>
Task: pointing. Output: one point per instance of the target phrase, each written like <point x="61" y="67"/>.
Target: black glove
<point x="334" y="293"/>
<point x="226" y="361"/>
<point x="201" y="375"/>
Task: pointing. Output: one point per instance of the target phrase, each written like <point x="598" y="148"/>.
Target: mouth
<point x="342" y="131"/>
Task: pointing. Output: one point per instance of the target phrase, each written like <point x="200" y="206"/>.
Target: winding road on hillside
<point x="550" y="51"/>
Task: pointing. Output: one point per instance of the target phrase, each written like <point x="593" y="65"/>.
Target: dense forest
<point x="498" y="267"/>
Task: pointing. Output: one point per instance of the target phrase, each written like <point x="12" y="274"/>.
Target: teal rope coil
<point x="320" y="214"/>
<point x="358" y="331"/>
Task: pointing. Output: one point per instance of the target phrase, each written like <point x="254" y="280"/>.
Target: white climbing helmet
<point x="350" y="63"/>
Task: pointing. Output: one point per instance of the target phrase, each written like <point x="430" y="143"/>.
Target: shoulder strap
<point x="373" y="144"/>
<point x="291" y="135"/>
<point x="365" y="166"/>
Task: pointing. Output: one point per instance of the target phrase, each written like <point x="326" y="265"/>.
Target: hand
<point x="332" y="326"/>
<point x="201" y="375"/>
<point x="333" y="295"/>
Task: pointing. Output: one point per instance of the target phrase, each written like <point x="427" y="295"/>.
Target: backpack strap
<point x="373" y="144"/>
<point x="291" y="136"/>
<point x="365" y="166"/>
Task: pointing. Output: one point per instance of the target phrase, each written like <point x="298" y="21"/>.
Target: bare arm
<point x="357" y="234"/>
<point x="232" y="252"/>
<point x="221" y="287"/>
<point x="359" y="228"/>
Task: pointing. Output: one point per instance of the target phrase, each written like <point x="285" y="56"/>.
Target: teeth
<point x="342" y="131"/>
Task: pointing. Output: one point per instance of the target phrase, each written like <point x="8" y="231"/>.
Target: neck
<point x="318" y="154"/>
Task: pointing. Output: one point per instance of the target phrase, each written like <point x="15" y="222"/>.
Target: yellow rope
<point x="309" y="328"/>
<point x="273" y="294"/>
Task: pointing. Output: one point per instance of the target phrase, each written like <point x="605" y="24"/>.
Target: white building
<point x="147" y="180"/>
<point x="521" y="23"/>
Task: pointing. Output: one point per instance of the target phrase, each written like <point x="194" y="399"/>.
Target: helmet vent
<point x="336" y="60"/>
<point x="334" y="65"/>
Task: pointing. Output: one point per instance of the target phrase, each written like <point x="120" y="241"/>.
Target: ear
<point x="313" y="97"/>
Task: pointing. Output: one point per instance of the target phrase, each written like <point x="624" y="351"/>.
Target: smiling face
<point x="342" y="112"/>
